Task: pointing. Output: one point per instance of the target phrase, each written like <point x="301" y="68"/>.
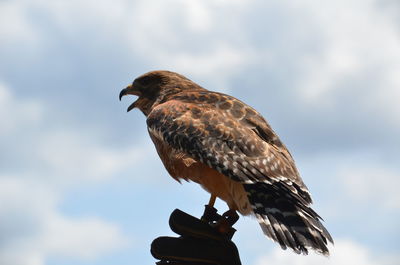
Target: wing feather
<point x="229" y="136"/>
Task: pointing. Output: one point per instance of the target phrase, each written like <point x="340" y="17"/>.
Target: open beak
<point x="130" y="90"/>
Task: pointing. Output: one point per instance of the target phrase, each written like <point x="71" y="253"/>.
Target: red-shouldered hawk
<point x="229" y="149"/>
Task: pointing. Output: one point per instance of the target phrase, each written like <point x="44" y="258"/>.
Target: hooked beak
<point x="130" y="90"/>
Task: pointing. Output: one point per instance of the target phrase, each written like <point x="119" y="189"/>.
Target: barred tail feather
<point x="288" y="220"/>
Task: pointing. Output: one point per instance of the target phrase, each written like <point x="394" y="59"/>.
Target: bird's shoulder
<point x="205" y="104"/>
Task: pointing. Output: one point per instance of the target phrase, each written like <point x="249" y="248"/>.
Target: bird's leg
<point x="210" y="214"/>
<point x="211" y="202"/>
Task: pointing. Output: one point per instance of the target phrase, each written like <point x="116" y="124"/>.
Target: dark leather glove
<point x="199" y="244"/>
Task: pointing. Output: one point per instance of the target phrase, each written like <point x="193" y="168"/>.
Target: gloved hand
<point x="199" y="244"/>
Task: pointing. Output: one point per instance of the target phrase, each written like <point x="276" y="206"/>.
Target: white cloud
<point x="52" y="160"/>
<point x="104" y="16"/>
<point x="346" y="186"/>
<point x="357" y="40"/>
<point x="377" y="185"/>
<point x="169" y="41"/>
<point x="17" y="114"/>
<point x="71" y="155"/>
<point x="360" y="47"/>
<point x="164" y="33"/>
<point x="33" y="229"/>
<point x="86" y="238"/>
<point x="67" y="154"/>
<point x="344" y="252"/>
<point x="217" y="65"/>
<point x="197" y="15"/>
<point x="15" y="25"/>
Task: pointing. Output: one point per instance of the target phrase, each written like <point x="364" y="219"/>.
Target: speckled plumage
<point x="226" y="146"/>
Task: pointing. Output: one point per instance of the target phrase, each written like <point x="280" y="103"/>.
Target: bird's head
<point x="153" y="87"/>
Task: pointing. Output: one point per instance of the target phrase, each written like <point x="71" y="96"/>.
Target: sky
<point x="80" y="180"/>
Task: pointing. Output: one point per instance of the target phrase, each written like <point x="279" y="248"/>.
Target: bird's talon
<point x="224" y="223"/>
<point x="231" y="217"/>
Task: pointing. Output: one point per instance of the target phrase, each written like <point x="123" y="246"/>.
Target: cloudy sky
<point x="80" y="181"/>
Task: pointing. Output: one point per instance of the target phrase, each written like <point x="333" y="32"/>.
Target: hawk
<point x="228" y="148"/>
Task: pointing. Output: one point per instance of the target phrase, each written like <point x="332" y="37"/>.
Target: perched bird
<point x="229" y="149"/>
